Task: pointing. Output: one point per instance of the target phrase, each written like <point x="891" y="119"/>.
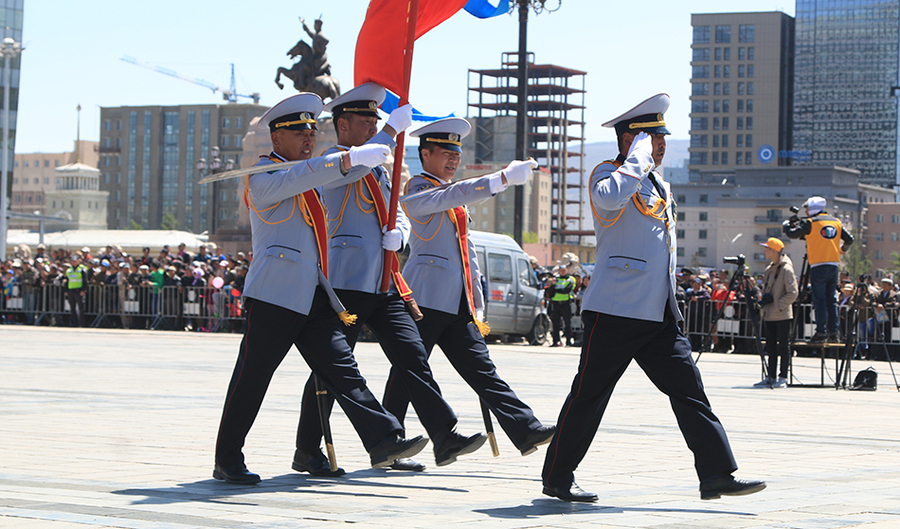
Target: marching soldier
<point x="442" y="270"/>
<point x="288" y="299"/>
<point x="357" y="226"/>
<point x="630" y="312"/>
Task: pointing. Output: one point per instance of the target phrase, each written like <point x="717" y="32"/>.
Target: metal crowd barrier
<point x="205" y="309"/>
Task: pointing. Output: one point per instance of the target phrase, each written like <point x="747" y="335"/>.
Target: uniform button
<point x="626" y="267"/>
<point x="343" y="244"/>
<point x="431" y="261"/>
<point x="281" y="255"/>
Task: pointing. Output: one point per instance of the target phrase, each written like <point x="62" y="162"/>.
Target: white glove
<point x="392" y="240"/>
<point x="479" y="314"/>
<point x="517" y="172"/>
<point x="401" y="118"/>
<point x="369" y="155"/>
<point x="641" y="145"/>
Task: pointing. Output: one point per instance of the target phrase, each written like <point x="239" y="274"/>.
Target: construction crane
<point x="229" y="95"/>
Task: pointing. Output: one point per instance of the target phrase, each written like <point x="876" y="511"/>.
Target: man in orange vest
<point x="826" y="240"/>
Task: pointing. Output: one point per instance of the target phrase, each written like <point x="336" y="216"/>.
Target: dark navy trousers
<point x="462" y="343"/>
<point x="386" y="316"/>
<point x="664" y="353"/>
<point x="271" y="331"/>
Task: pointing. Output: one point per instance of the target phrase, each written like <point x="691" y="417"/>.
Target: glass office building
<point x="11" y="26"/>
<point x="845" y="107"/>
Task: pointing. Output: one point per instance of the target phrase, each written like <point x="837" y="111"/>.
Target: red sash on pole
<point x="390" y="261"/>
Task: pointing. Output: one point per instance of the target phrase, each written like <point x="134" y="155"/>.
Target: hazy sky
<point x="631" y="50"/>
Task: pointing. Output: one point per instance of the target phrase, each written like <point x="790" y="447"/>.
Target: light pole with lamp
<point x="9" y="49"/>
<point x="214" y="166"/>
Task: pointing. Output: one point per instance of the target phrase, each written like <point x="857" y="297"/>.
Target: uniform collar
<point x="280" y="157"/>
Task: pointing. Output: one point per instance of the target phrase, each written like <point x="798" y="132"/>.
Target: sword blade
<point x="237" y="173"/>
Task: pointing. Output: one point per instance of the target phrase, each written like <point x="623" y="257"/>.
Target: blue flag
<point x="484" y="9"/>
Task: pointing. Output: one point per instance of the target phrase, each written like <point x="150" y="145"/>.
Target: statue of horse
<point x="311" y="73"/>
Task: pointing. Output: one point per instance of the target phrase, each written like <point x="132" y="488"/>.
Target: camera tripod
<point x="852" y="347"/>
<point x="737" y="283"/>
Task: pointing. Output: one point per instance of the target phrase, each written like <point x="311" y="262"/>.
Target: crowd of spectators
<point x="158" y="284"/>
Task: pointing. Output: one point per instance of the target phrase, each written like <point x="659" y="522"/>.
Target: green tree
<point x="169" y="222"/>
<point x="695" y="260"/>
<point x="529" y="237"/>
<point x="855" y="261"/>
<point x="134" y="226"/>
<point x="895" y="263"/>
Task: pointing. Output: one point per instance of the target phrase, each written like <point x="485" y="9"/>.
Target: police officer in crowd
<point x="442" y="271"/>
<point x="288" y="299"/>
<point x="779" y="291"/>
<point x="630" y="312"/>
<point x="76" y="282"/>
<point x="561" y="289"/>
<point x="357" y="226"/>
<point x="826" y="240"/>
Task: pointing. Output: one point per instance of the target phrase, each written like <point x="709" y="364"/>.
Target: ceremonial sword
<point x="489" y="426"/>
<point x="321" y="392"/>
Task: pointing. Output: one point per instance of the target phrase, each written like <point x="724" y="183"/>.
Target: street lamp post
<point x="9" y="49"/>
<point x="214" y="166"/>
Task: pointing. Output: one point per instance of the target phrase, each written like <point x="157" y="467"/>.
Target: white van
<point x="513" y="298"/>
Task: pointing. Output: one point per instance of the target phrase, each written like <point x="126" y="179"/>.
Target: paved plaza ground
<point x="105" y="428"/>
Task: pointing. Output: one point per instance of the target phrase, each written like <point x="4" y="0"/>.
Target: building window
<point x="701" y="54"/>
<point x="740" y="93"/>
<point x="895" y="237"/>
<point x="680" y="216"/>
<point x="698" y="158"/>
<point x="704" y="199"/>
<point x="715" y="140"/>
<point x="700" y="89"/>
<point x="879" y="254"/>
<point x="238" y="122"/>
<point x="749" y="70"/>
<point x="895" y="218"/>
<point x="699" y="123"/>
<point x="717" y="71"/>
<point x="701" y="35"/>
<point x="879" y="218"/>
<point x="716" y="124"/>
<point x="742" y="54"/>
<point x="699" y="140"/>
<point x="740" y="102"/>
<point x="716" y="158"/>
<point x="726" y="89"/>
<point x="726" y="105"/>
<point x="702" y="234"/>
<point x="679" y="234"/>
<point x="727" y="52"/>
<point x="724" y="123"/>
<point x="718" y="54"/>
<point x="750" y="56"/>
<point x="56" y="162"/>
<point x="681" y="199"/>
<point x="740" y="70"/>
<point x="749" y="139"/>
<point x="739" y="143"/>
<point x="226" y="123"/>
<point x="750" y="88"/>
<point x="739" y="158"/>
<point x="726" y="71"/>
<point x="701" y="252"/>
<point x="701" y="105"/>
<point x="238" y="140"/>
<point x="746" y="32"/>
<point x="723" y="34"/>
<point x="717" y="89"/>
<point x="107" y="125"/>
<point x="724" y="140"/>
<point x="679" y="252"/>
<point x="749" y="105"/>
<point x="703" y="216"/>
<point x="717" y="105"/>
<point x="749" y="123"/>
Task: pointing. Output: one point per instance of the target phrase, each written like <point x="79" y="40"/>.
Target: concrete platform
<point x="103" y="428"/>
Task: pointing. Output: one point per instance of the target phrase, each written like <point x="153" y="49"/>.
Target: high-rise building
<point x="11" y="27"/>
<point x="741" y="90"/>
<point x="845" y="79"/>
<point x="148" y="160"/>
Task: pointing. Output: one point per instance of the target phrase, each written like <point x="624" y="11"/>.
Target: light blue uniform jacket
<point x="635" y="272"/>
<point x="355" y="255"/>
<point x="434" y="269"/>
<point x="285" y="269"/>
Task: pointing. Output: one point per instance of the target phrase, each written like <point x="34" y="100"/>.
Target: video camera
<point x="793" y="220"/>
<point x="739" y="260"/>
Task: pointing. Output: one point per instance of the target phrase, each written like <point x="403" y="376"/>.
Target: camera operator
<point x="824" y="235"/>
<point x="779" y="290"/>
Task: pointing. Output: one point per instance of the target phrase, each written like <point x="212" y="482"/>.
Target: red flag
<point x="382" y="39"/>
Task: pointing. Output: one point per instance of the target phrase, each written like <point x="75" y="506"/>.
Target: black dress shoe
<point x="238" y="475"/>
<point x="456" y="445"/>
<point x="728" y="486"/>
<point x="540" y="436"/>
<point x="408" y="465"/>
<point x="392" y="448"/>
<point x="314" y="463"/>
<point x="571" y="493"/>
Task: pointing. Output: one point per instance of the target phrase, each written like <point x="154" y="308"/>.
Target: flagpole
<point x="412" y="17"/>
